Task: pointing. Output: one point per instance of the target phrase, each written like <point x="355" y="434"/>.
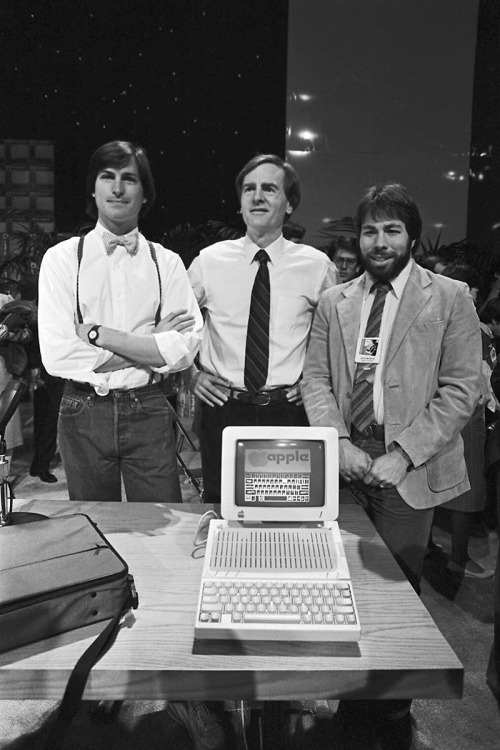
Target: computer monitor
<point x="279" y="474"/>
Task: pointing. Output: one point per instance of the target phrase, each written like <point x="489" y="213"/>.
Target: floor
<point x="462" y="608"/>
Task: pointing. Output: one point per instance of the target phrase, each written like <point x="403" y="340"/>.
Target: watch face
<point x="93" y="335"/>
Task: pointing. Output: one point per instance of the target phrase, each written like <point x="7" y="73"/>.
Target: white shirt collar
<point x="100" y="229"/>
<point x="274" y="250"/>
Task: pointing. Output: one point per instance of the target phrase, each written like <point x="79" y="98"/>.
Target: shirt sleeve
<point x="177" y="349"/>
<point x="195" y="274"/>
<point x="64" y="354"/>
<point x="331" y="277"/>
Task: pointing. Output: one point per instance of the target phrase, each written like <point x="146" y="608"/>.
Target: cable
<point x="203" y="528"/>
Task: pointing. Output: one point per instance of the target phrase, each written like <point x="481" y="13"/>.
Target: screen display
<point x="274" y="473"/>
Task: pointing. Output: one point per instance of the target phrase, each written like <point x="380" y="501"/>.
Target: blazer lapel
<point x="349" y="314"/>
<point x="415" y="296"/>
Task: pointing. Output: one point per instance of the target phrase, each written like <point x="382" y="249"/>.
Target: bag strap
<point x="79" y="676"/>
<point x="79" y="257"/>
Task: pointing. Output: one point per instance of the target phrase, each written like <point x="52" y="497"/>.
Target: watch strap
<point x="93" y="335"/>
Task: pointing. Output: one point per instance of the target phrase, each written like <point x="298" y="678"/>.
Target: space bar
<point x="278" y="619"/>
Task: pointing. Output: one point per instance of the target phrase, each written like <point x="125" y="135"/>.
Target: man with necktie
<point x="258" y="294"/>
<point x="116" y="313"/>
<point x="393" y="363"/>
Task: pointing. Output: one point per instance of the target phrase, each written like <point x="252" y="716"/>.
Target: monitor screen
<point x="278" y="472"/>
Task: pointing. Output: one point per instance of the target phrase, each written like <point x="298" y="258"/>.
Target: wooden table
<point x="402" y="654"/>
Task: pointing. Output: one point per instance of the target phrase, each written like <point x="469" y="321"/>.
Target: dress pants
<point x="213" y="419"/>
<point x="124" y="435"/>
<point x="405" y="532"/>
<point x="46" y="402"/>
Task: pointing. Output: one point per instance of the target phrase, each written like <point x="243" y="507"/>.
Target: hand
<point x="354" y="463"/>
<point x="387" y="471"/>
<point x="294" y="396"/>
<point x="178" y="320"/>
<point x="205" y="387"/>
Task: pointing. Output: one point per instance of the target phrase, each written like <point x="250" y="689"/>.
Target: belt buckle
<point x="262" y="399"/>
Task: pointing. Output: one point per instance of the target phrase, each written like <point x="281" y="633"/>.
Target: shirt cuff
<point x="177" y="349"/>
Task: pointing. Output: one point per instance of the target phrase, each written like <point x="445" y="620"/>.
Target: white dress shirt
<point x="120" y="291"/>
<point x="222" y="277"/>
<point x="388" y="317"/>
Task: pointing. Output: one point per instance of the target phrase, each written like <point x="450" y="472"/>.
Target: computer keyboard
<point x="295" y="610"/>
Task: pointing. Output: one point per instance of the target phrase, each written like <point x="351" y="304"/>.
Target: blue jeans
<point x="125" y="435"/>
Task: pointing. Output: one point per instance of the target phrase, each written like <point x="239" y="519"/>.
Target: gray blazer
<point x="431" y="380"/>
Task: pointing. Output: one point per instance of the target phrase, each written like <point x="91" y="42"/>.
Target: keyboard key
<point x="278" y="619"/>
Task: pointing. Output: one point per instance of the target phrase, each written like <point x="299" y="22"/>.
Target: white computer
<point x="275" y="566"/>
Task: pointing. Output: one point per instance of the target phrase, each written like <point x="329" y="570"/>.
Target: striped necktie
<point x="257" y="346"/>
<point x="362" y="413"/>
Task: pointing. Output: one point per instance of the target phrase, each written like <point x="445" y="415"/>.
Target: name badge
<point x="368" y="350"/>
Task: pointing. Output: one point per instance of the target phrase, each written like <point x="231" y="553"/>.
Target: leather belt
<point x="261" y="398"/>
<point x="374" y="431"/>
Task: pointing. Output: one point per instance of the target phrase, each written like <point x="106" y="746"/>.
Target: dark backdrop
<point x="200" y="83"/>
<point x="484" y="184"/>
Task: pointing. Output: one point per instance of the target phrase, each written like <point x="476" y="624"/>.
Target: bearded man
<point x="394" y="364"/>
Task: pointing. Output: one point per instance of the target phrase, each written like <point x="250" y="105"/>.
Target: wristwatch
<point x="93" y="335"/>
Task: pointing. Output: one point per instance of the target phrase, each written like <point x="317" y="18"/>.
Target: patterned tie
<point x="129" y="241"/>
<point x="362" y="413"/>
<point x="257" y="347"/>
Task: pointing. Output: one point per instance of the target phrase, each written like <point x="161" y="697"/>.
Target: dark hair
<point x="117" y="154"/>
<point x="463" y="272"/>
<point x="491" y="311"/>
<point x="291" y="231"/>
<point x="344" y="243"/>
<point x="390" y="201"/>
<point x="431" y="261"/>
<point x="291" y="182"/>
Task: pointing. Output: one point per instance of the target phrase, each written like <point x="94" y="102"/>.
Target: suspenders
<point x="80" y="254"/>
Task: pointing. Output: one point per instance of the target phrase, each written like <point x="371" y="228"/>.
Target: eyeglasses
<point x="349" y="262"/>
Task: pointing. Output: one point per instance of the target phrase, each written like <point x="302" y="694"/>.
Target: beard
<point x="391" y="269"/>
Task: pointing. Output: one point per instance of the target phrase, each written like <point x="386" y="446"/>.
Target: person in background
<point x="490" y="315"/>
<point x="434" y="263"/>
<point x="13" y="432"/>
<point x="46" y="392"/>
<point x="344" y="252"/>
<point x="116" y="313"/>
<point x="394" y="364"/>
<point x="474" y="436"/>
<point x="293" y="232"/>
<point x="493" y="668"/>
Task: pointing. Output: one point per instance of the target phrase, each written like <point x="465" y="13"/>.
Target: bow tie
<point x="129" y="241"/>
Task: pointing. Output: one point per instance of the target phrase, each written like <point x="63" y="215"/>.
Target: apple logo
<point x="257" y="458"/>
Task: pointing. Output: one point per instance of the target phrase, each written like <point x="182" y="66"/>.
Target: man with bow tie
<point x="116" y="313"/>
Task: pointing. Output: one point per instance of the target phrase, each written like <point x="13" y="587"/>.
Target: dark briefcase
<point x="56" y="575"/>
